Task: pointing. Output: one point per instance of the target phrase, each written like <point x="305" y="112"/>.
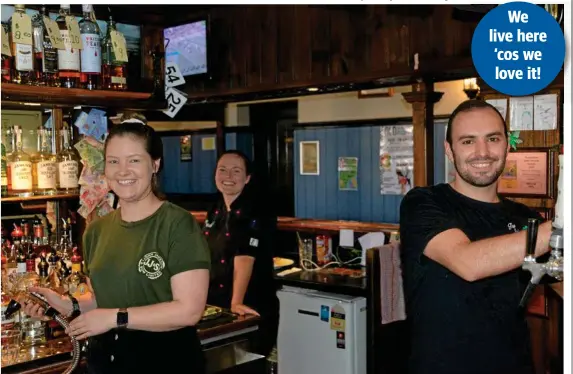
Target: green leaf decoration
<point x="513" y="138"/>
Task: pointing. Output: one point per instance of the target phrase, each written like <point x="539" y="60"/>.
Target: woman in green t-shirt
<point x="147" y="265"/>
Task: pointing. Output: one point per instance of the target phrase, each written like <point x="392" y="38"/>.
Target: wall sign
<point x="528" y="173"/>
<point x="175" y="98"/>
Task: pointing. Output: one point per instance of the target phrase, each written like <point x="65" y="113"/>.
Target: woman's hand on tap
<point x="53" y="298"/>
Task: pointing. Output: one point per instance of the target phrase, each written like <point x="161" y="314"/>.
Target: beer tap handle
<point x="532" y="229"/>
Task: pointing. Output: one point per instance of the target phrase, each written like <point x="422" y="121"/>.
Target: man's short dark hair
<point x="467" y="106"/>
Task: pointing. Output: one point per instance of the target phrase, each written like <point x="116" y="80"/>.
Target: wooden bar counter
<point x="215" y="337"/>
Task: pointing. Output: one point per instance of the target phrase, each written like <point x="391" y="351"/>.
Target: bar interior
<point x="323" y="99"/>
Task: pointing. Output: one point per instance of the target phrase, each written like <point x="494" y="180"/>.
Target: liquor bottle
<point x="4" y="172"/>
<point x="12" y="139"/>
<point x="23" y="55"/>
<point x="114" y="71"/>
<point x="44" y="271"/>
<point x="20" y="168"/>
<point x="7" y="60"/>
<point x="76" y="283"/>
<point x="91" y="50"/>
<point x="45" y="54"/>
<point x="68" y="166"/>
<point x="44" y="167"/>
<point x="69" y="58"/>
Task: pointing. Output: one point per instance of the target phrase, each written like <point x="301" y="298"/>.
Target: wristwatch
<point x="122" y="318"/>
<point x="75" y="307"/>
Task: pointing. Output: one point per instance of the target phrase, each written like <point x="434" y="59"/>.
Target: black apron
<point x="134" y="351"/>
<point x="229" y="233"/>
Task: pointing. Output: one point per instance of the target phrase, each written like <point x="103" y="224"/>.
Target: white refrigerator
<point x="321" y="333"/>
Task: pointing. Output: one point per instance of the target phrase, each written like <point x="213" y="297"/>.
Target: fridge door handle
<point x="308" y="312"/>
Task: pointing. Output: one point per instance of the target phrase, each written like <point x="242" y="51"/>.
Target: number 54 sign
<point x="175" y="98"/>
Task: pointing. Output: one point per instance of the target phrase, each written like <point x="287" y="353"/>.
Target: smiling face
<point x="129" y="168"/>
<point x="231" y="175"/>
<point x="479" y="146"/>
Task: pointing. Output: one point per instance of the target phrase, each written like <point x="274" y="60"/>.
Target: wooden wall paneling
<point x="151" y="37"/>
<point x="320" y="42"/>
<point x="286" y="41"/>
<point x="301" y="27"/>
<point x="252" y="31"/>
<point x="269" y="44"/>
<point x="380" y="48"/>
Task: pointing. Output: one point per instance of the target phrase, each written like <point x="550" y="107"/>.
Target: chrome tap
<point x="554" y="266"/>
<point x="14" y="305"/>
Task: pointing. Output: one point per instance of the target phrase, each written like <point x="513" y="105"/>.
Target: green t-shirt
<point x="131" y="263"/>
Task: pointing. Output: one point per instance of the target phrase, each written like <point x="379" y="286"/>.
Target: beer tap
<point x="554" y="266"/>
<point x="14" y="306"/>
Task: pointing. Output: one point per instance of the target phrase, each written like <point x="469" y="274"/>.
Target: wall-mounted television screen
<point x="186" y="45"/>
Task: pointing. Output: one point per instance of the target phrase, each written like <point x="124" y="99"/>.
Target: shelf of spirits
<point x="42" y="173"/>
<point x="72" y="62"/>
<point x="17" y="199"/>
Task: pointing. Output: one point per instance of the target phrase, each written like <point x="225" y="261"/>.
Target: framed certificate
<point x="528" y="173"/>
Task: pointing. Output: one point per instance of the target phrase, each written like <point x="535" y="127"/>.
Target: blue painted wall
<point x="319" y="197"/>
<point x="196" y="176"/>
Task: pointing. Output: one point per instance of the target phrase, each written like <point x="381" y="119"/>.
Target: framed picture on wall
<point x="309" y="157"/>
<point x="528" y="173"/>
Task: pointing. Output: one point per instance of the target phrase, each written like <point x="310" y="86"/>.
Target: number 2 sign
<point x="175" y="98"/>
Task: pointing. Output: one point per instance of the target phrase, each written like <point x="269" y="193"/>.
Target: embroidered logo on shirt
<point x="209" y="224"/>
<point x="512" y="227"/>
<point x="151" y="265"/>
<point x="254" y="242"/>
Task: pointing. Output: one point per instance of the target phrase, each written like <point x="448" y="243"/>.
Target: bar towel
<point x="392" y="303"/>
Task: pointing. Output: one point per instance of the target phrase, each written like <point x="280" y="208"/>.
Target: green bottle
<point x="4" y="174"/>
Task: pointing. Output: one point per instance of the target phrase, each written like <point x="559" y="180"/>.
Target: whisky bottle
<point x="76" y="283"/>
<point x="68" y="166"/>
<point x="91" y="50"/>
<point x="114" y="71"/>
<point x="44" y="167"/>
<point x="7" y="60"/>
<point x="45" y="54"/>
<point x="69" y="58"/>
<point x="20" y="168"/>
<point x="23" y="53"/>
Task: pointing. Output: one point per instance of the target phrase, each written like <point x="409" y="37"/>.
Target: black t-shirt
<point x="245" y="230"/>
<point x="462" y="327"/>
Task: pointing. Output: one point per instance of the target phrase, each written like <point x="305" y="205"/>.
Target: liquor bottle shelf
<point x="24" y="95"/>
<point x="17" y="199"/>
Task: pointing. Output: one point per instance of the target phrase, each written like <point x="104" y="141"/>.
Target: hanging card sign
<point x="175" y="101"/>
<point x="74" y="32"/>
<point x="54" y="33"/>
<point x="173" y="76"/>
<point x="21" y="28"/>
<point x="5" y="43"/>
<point x="119" y="46"/>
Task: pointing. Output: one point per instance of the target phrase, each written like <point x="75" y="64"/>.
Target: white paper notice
<point x="346" y="238"/>
<point x="521" y="116"/>
<point x="500" y="105"/>
<point x="173" y="76"/>
<point x="370" y="240"/>
<point x="545" y="112"/>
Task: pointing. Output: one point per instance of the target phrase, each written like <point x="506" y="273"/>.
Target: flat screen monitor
<point x="186" y="45"/>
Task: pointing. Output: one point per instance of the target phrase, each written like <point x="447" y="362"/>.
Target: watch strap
<point x="122" y="318"/>
<point x="75" y="307"/>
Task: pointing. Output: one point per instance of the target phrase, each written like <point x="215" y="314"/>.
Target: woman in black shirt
<point x="239" y="232"/>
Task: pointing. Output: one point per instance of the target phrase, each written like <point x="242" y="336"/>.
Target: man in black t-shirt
<point x="462" y="247"/>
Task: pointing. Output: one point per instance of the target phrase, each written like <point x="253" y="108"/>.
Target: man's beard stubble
<point x="477" y="181"/>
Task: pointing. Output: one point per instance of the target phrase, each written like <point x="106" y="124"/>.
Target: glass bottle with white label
<point x="68" y="166"/>
<point x="91" y="50"/>
<point x="20" y="166"/>
<point x="46" y="56"/>
<point x="23" y="53"/>
<point x="44" y="167"/>
<point x="69" y="58"/>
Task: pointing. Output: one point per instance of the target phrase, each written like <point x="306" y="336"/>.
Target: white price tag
<point x="175" y="101"/>
<point x="173" y="76"/>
